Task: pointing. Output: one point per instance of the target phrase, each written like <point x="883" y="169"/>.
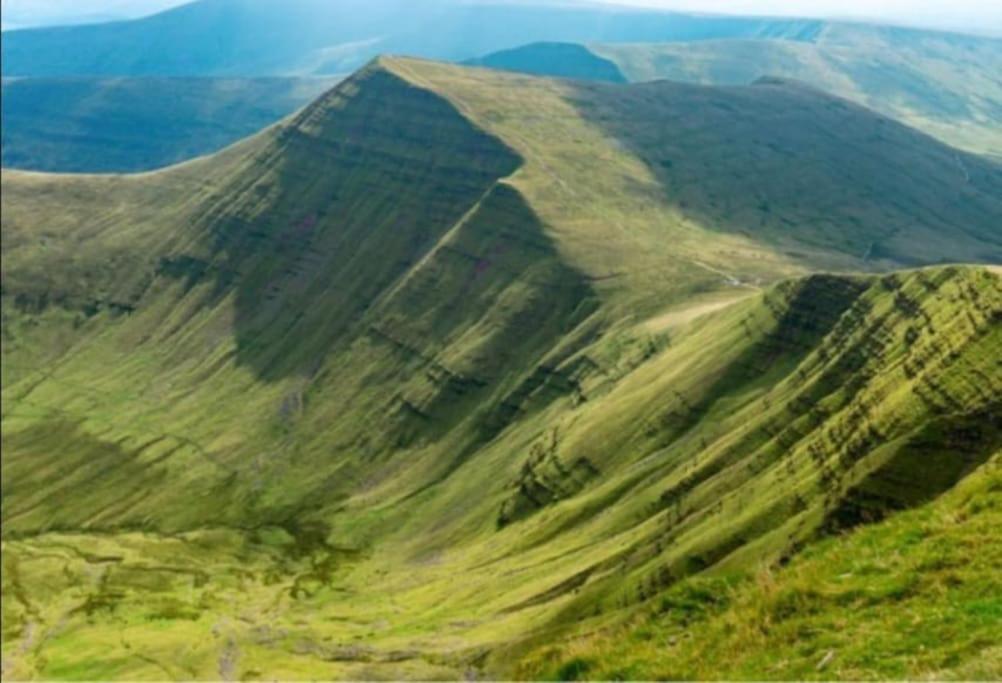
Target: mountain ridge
<point x="288" y="393"/>
<point x="941" y="84"/>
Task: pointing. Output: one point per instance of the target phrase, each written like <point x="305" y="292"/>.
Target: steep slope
<point x="261" y="409"/>
<point x="717" y="160"/>
<point x="733" y="466"/>
<point x="80" y="125"/>
<point x="943" y="84"/>
<point x="916" y="596"/>
<point x="224" y="37"/>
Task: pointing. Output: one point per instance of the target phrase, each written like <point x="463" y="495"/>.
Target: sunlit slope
<point x="459" y="232"/>
<point x="943" y="84"/>
<point x="447" y="322"/>
<point x="712" y="170"/>
<point x="815" y="406"/>
<point x="914" y="597"/>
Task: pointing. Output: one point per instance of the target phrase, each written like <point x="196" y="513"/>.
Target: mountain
<point x="455" y="363"/>
<point x="943" y="84"/>
<point x="137" y="124"/>
<point x="260" y="37"/>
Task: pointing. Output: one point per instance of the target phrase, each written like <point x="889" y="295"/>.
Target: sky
<point x="983" y="16"/>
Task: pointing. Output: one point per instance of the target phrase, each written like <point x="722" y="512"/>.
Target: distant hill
<point x="138" y="124"/>
<point x="941" y="83"/>
<point x="944" y="84"/>
<point x="454" y="363"/>
<point x="254" y="37"/>
<point x="562" y="60"/>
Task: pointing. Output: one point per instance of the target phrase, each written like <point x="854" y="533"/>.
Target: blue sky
<point x="977" y="15"/>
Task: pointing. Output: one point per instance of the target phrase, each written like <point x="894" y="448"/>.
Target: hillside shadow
<point x="335" y="233"/>
<point x="336" y="209"/>
<point x="793" y="168"/>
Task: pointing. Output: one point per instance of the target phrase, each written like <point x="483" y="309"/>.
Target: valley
<point x="454" y="364"/>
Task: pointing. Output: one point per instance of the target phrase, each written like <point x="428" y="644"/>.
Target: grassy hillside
<point x="943" y="84"/>
<point x="74" y="125"/>
<point x="914" y="597"/>
<point x="561" y="340"/>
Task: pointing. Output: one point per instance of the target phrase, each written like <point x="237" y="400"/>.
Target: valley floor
<point x="917" y="596"/>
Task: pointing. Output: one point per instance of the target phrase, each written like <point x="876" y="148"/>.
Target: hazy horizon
<point x="973" y="16"/>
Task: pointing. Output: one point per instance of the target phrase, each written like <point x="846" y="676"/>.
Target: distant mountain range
<point x="104" y="101"/>
<point x="137" y="124"/>
<point x="295" y="37"/>
<point x="140" y="94"/>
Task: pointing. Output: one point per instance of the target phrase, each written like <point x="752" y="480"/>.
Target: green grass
<point x="446" y="368"/>
<point x="914" y="597"/>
